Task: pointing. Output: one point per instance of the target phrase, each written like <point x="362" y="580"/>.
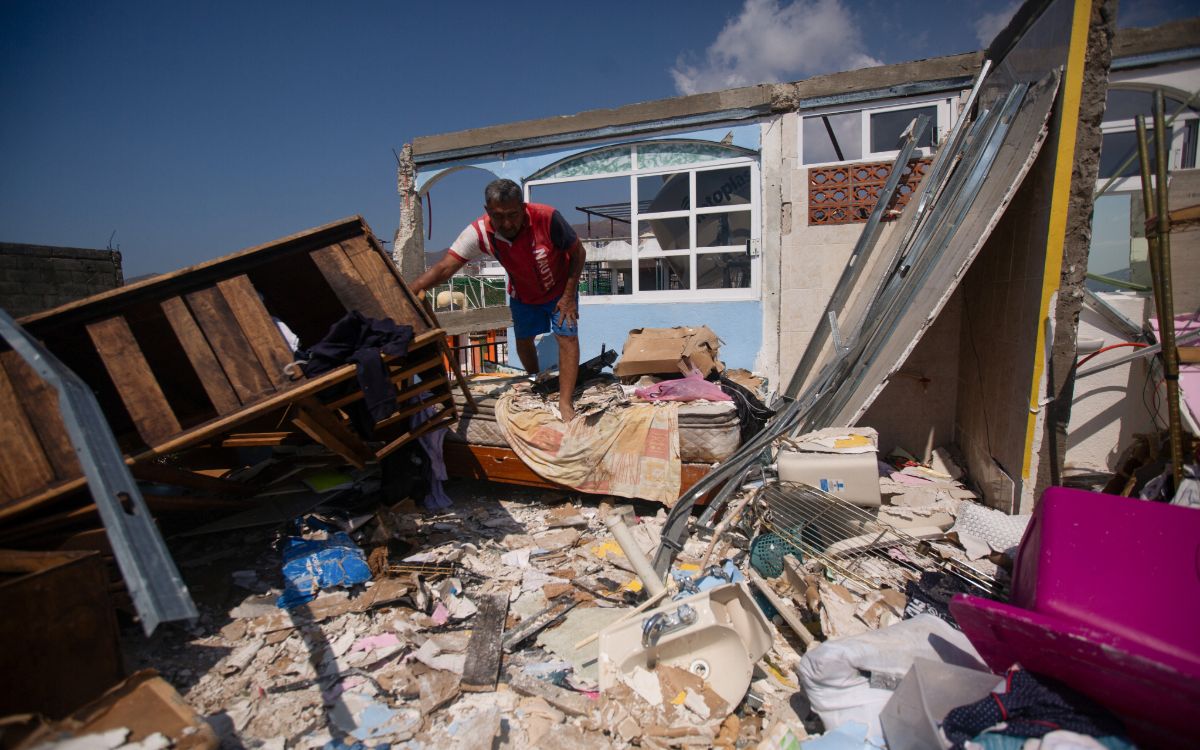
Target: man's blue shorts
<point x="530" y="320"/>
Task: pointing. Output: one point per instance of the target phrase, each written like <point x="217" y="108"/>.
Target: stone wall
<point x="38" y="277"/>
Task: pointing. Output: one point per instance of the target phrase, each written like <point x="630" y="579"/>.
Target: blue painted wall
<point x="739" y="324"/>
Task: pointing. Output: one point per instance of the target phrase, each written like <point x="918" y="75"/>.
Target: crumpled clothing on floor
<point x="1028" y="707"/>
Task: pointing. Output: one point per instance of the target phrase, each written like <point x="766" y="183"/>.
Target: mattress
<point x="709" y="432"/>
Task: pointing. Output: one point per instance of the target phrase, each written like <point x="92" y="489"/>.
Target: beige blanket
<point x="627" y="450"/>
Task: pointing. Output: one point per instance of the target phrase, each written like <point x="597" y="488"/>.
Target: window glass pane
<point x="664" y="192"/>
<point x="1125" y="104"/>
<point x="661" y="274"/>
<point x="663" y="234"/>
<point x="1109" y="253"/>
<point x="886" y="127"/>
<point x="723" y="187"/>
<point x="671" y="154"/>
<point x="845" y="143"/>
<point x="722" y="230"/>
<point x="603" y="277"/>
<point x="1115" y="148"/>
<point x="598" y="210"/>
<point x="601" y="161"/>
<point x="723" y="271"/>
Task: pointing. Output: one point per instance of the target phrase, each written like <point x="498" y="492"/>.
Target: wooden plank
<point x="321" y="425"/>
<point x="346" y="282"/>
<point x="233" y="351"/>
<point x="164" y="474"/>
<point x="24" y="467"/>
<point x="372" y="268"/>
<point x="204" y="361"/>
<point x="443" y="419"/>
<point x="266" y="340"/>
<point x="411" y="409"/>
<point x="40" y="402"/>
<point x="256" y="439"/>
<point x="484" y="653"/>
<point x="135" y="382"/>
<point x="395" y="376"/>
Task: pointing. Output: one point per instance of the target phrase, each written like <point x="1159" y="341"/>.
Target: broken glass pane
<point x="1109" y="253"/>
<point x="886" y="127"/>
<point x="832" y="137"/>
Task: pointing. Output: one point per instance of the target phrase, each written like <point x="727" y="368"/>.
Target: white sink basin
<point x="728" y="635"/>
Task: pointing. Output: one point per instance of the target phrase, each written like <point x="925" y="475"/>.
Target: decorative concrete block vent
<point x="846" y="193"/>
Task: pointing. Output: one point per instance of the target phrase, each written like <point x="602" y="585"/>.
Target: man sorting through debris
<point x="543" y="258"/>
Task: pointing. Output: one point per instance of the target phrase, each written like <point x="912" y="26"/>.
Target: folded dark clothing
<point x="361" y="340"/>
<point x="1030" y="706"/>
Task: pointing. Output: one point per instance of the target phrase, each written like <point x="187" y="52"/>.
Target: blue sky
<point x="197" y="129"/>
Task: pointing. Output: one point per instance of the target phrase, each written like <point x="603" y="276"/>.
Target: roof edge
<point x="747" y="102"/>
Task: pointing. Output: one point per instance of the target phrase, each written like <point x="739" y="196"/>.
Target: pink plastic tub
<point x="1106" y="599"/>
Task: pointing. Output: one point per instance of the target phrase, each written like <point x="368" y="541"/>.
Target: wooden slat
<point x="321" y="425"/>
<point x="395" y="377"/>
<point x="443" y="419"/>
<point x="131" y="374"/>
<point x="346" y="282"/>
<point x="162" y="473"/>
<point x="256" y="323"/>
<point x="233" y="351"/>
<point x="482" y="668"/>
<point x="24" y="467"/>
<point x="41" y="404"/>
<point x="256" y="439"/>
<point x="408" y="411"/>
<point x="371" y="266"/>
<point x="200" y="354"/>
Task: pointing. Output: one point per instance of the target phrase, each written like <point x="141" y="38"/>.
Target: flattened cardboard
<point x="670" y="351"/>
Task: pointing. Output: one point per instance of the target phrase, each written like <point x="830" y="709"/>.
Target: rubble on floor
<point x="515" y="618"/>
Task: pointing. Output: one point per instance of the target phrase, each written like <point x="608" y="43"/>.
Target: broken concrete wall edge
<point x="1068" y="242"/>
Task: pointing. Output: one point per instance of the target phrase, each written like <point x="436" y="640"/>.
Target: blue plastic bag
<point x="313" y="564"/>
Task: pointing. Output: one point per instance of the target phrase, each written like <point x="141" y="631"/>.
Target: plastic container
<point x="1106" y="599"/>
<point x="929" y="691"/>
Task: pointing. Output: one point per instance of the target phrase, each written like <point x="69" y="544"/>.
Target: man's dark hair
<point x="502" y="191"/>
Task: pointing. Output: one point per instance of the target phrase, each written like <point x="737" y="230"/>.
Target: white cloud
<point x="772" y="42"/>
<point x="989" y="25"/>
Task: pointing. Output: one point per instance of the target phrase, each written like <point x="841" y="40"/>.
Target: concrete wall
<point x="737" y="323"/>
<point x="916" y="409"/>
<point x="38" y="277"/>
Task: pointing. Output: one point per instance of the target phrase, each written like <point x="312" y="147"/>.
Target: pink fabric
<point x="1189" y="375"/>
<point x="691" y="388"/>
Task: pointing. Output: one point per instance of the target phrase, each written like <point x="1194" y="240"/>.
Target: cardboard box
<point x="670" y="351"/>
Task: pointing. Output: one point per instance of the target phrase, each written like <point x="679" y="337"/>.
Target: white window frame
<point x="692" y="294"/>
<point x="947" y="115"/>
<point x="1178" y="138"/>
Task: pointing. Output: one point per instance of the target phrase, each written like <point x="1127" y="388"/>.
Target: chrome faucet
<point x="654" y="626"/>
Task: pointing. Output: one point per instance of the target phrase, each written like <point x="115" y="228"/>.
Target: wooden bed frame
<point x="505" y="466"/>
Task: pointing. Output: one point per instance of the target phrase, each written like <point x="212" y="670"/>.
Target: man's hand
<point x="567" y="309"/>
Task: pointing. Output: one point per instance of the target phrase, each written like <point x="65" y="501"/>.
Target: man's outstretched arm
<point x="437" y="273"/>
